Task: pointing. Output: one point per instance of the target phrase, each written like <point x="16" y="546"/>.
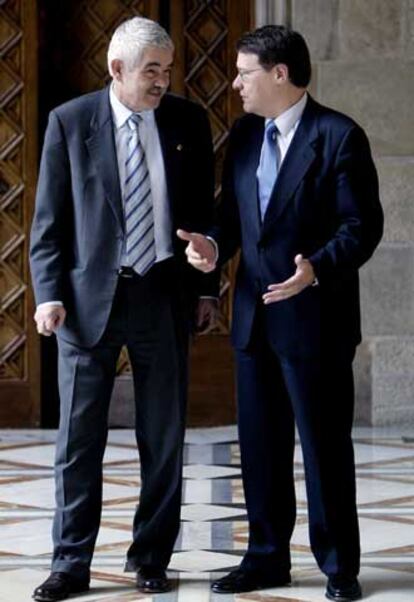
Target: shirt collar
<point x="121" y="113"/>
<point x="289" y="118"/>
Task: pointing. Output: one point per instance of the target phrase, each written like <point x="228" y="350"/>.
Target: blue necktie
<point x="268" y="166"/>
<point x="139" y="217"/>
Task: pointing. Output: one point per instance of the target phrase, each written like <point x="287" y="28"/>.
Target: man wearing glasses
<point x="300" y="199"/>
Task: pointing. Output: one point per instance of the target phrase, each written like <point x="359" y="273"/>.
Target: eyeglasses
<point x="244" y="73"/>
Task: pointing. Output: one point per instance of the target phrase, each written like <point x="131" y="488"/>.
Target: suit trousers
<point x="145" y="317"/>
<point x="317" y="393"/>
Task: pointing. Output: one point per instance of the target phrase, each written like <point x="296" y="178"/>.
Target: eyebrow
<point x="156" y="64"/>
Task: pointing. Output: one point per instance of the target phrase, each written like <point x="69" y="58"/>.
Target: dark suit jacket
<point x="325" y="205"/>
<point x="78" y="226"/>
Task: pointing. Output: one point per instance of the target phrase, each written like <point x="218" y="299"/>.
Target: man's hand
<point x="303" y="277"/>
<point x="207" y="312"/>
<point x="200" y="251"/>
<point x="49" y="318"/>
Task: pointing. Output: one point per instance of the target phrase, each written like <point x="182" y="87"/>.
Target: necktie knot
<point x="134" y="120"/>
<point x="271" y="131"/>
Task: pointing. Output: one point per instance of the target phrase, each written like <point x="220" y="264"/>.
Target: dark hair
<point x="275" y="44"/>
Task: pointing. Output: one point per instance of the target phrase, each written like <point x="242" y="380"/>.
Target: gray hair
<point x="131" y="38"/>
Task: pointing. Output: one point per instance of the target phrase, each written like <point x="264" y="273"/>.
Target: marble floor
<point x="214" y="529"/>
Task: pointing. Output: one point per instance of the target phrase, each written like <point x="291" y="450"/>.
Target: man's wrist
<point x="49" y="303"/>
<point x="215" y="245"/>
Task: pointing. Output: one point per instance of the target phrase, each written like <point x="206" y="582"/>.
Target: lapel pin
<point x="179" y="147"/>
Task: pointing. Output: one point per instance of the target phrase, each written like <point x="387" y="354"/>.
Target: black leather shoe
<point x="59" y="586"/>
<point x="239" y="581"/>
<point x="152" y="580"/>
<point x="343" y="589"/>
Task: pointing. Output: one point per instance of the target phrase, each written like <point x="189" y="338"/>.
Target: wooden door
<point x="73" y="39"/>
<point x="205" y="33"/>
<point x="19" y="344"/>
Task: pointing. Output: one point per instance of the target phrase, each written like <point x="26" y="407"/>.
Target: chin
<point x="154" y="101"/>
<point x="247" y="108"/>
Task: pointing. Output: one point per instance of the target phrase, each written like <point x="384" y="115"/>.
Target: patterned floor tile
<point x="222" y="434"/>
<point x="376" y="535"/>
<point x="33" y="537"/>
<point x="199" y="471"/>
<point x="43" y="455"/>
<point x="39" y="493"/>
<point x="203" y="560"/>
<point x="214" y="531"/>
<point x="198" y="492"/>
<point x="201" y="512"/>
<point x="371" y="490"/>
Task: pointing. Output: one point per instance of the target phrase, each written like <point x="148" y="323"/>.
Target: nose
<point x="163" y="80"/>
<point x="237" y="83"/>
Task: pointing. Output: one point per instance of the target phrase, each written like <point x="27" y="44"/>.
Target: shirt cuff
<point x="215" y="245"/>
<point x="47" y="303"/>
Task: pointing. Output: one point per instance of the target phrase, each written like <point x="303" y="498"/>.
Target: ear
<point x="281" y="72"/>
<point x="117" y="69"/>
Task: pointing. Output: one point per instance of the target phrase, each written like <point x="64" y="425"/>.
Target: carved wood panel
<point x="89" y="29"/>
<point x="19" y="351"/>
<point x="205" y="32"/>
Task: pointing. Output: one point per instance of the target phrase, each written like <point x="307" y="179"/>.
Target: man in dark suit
<point x="300" y="198"/>
<point x="121" y="169"/>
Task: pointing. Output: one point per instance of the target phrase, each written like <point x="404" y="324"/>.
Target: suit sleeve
<point x="50" y="221"/>
<point x="359" y="216"/>
<point x="226" y="231"/>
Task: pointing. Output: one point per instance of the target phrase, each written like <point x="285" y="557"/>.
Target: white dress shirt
<point x="287" y="124"/>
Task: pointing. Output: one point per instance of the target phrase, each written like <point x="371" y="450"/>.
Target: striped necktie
<point x="268" y="166"/>
<point x="139" y="217"/>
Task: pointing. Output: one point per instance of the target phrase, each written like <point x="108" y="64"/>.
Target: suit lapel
<point x="101" y="146"/>
<point x="300" y="156"/>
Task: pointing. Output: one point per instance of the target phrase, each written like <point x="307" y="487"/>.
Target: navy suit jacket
<point x="78" y="225"/>
<point x="325" y="205"/>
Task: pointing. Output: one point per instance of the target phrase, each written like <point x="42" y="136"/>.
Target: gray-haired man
<point x="121" y="169"/>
